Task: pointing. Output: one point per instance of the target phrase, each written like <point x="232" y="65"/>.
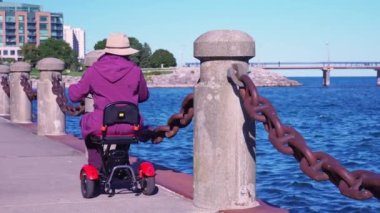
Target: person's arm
<point x="143" y="89"/>
<point x="81" y="89"/>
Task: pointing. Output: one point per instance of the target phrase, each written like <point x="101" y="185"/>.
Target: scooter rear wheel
<point x="89" y="187"/>
<point x="149" y="185"/>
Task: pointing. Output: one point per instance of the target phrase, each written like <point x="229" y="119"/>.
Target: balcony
<point x="56" y="22"/>
<point x="10" y="27"/>
<point x="11" y="43"/>
<point x="10" y="37"/>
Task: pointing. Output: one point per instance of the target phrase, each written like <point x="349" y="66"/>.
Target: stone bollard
<point x="50" y="118"/>
<point x="90" y="59"/>
<point x="20" y="105"/>
<point x="224" y="146"/>
<point x="4" y="99"/>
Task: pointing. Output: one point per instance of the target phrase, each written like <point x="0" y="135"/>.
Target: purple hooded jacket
<point x="112" y="78"/>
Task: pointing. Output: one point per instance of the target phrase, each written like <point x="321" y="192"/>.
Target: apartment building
<point x="76" y="38"/>
<point x="26" y="23"/>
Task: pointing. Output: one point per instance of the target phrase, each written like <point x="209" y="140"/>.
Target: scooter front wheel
<point x="89" y="187"/>
<point x="148" y="185"/>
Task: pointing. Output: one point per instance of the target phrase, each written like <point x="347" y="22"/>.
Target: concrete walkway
<point x="39" y="174"/>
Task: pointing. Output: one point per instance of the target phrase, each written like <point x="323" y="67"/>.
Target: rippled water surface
<point x="342" y="120"/>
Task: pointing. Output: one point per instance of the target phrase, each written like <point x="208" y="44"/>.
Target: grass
<point x="35" y="73"/>
<point x="148" y="72"/>
<point x="72" y="73"/>
<point x="158" y="71"/>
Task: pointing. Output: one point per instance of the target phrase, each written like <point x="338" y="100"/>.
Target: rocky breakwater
<point x="188" y="77"/>
<point x="68" y="80"/>
<point x="267" y="78"/>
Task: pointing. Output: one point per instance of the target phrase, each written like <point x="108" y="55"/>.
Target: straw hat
<point x="118" y="44"/>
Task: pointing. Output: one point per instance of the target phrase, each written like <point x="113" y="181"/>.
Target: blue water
<point x="342" y="120"/>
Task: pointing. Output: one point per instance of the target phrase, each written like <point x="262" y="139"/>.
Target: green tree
<point x="31" y="53"/>
<point x="100" y="44"/>
<point x="58" y="49"/>
<point x="163" y="57"/>
<point x="135" y="44"/>
<point x="145" y="55"/>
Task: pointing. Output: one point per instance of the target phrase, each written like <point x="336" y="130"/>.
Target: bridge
<point x="326" y="67"/>
<point x="316" y="65"/>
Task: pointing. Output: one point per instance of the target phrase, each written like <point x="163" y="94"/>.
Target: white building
<point x="76" y="38"/>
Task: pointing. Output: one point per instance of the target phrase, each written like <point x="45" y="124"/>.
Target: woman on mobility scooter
<point x="117" y="86"/>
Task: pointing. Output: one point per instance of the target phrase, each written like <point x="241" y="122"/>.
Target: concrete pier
<point x="50" y="118"/>
<point x="326" y="76"/>
<point x="4" y="99"/>
<point x="378" y="78"/>
<point x="224" y="148"/>
<point x="20" y="105"/>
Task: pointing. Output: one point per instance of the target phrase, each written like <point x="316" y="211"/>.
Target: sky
<point x="283" y="30"/>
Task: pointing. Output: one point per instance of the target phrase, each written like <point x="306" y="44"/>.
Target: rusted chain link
<point x="28" y="89"/>
<point x="5" y="85"/>
<point x="319" y="166"/>
<point x="175" y="122"/>
<point x="61" y="99"/>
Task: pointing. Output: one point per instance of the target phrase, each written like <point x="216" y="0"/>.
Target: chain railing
<point x="5" y="85"/>
<point x="319" y="166"/>
<point x="156" y="135"/>
<point x="175" y="122"/>
<point x="62" y="101"/>
<point x="28" y="89"/>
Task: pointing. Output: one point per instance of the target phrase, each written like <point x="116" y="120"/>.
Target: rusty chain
<point x="319" y="166"/>
<point x="156" y="135"/>
<point x="175" y="122"/>
<point x="5" y="85"/>
<point x="61" y="99"/>
<point x="27" y="87"/>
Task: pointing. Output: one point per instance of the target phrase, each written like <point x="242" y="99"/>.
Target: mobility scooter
<point x="116" y="171"/>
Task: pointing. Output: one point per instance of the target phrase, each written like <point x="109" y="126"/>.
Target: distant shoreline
<point x="68" y="80"/>
<point x="187" y="77"/>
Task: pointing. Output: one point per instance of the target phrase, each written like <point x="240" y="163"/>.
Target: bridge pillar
<point x="89" y="60"/>
<point x="224" y="150"/>
<point x="50" y="118"/>
<point x="4" y="99"/>
<point x="326" y="76"/>
<point x="378" y="78"/>
<point x="20" y="105"/>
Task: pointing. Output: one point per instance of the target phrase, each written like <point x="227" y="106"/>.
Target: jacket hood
<point x="112" y="67"/>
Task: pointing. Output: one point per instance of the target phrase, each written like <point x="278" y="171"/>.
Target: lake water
<point x="342" y="120"/>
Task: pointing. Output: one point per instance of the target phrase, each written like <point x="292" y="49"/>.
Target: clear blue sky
<point x="284" y="30"/>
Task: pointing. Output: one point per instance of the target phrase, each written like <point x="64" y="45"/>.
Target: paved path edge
<point x="175" y="181"/>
